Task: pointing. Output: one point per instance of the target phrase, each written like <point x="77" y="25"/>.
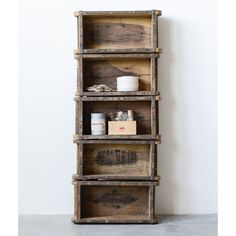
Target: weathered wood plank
<point x="118" y="13"/>
<point x="152" y="159"/>
<point x="107" y="99"/>
<point x="156" y="161"/>
<point x="77" y="55"/>
<point x="119" y="50"/>
<point x="156" y="76"/>
<point x="80" y="77"/>
<point x="153" y="75"/>
<point x="80" y="31"/>
<point x="114" y="137"/>
<point x="115" y="178"/>
<point x="116" y="94"/>
<point x="116" y="183"/>
<point x="154" y="30"/>
<point x="117" y="141"/>
<point x="151" y="203"/>
<point x="157" y="118"/>
<point x="79" y="117"/>
<point x="77" y="202"/>
<point x="117" y="159"/>
<point x="109" y="33"/>
<point x="117" y="32"/>
<point x="153" y="117"/>
<point x="80" y="159"/>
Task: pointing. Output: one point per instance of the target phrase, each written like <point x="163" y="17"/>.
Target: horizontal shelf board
<point x="114" y="56"/>
<point x="115" y="182"/>
<point x="117" y="219"/>
<point x="117" y="141"/>
<point x="115" y="177"/>
<point x="141" y="98"/>
<point x="117" y="13"/>
<point x="116" y="93"/>
<point x="121" y="50"/>
<point x="108" y="137"/>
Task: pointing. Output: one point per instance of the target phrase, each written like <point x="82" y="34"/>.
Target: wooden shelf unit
<point x="116" y="175"/>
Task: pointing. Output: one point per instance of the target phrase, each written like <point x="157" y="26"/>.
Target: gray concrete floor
<point x="170" y="225"/>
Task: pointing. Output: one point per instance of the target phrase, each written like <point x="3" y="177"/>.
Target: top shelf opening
<point x="117" y="32"/>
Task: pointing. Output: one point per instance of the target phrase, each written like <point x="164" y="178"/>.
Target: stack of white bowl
<point x="127" y="83"/>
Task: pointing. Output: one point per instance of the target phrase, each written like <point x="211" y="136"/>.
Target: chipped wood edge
<point x="159" y="50"/>
<point x="158" y="12"/>
<point x="158" y="139"/>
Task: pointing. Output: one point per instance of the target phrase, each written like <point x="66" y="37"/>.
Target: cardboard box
<point x="122" y="128"/>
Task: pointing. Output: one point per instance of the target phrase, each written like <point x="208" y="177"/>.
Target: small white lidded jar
<point x="127" y="83"/>
<point x="98" y="124"/>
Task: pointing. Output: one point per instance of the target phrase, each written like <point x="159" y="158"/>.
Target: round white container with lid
<point x="98" y="124"/>
<point x="127" y="83"/>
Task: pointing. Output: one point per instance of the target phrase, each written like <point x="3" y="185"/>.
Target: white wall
<point x="187" y="156"/>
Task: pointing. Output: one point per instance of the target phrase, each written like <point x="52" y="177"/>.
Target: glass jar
<point x="98" y="124"/>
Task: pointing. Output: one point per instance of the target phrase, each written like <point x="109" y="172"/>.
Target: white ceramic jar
<point x="127" y="83"/>
<point x="98" y="124"/>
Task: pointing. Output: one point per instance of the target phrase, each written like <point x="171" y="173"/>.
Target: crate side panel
<point x="116" y="159"/>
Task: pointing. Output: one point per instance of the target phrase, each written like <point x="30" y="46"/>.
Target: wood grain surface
<point x="116" y="159"/>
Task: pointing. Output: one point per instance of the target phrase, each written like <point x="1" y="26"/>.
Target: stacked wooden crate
<point x="116" y="174"/>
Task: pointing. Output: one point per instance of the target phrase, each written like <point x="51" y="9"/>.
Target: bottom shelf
<point x="118" y="219"/>
<point x="114" y="201"/>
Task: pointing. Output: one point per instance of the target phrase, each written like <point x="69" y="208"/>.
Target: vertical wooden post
<point x="156" y="159"/>
<point x="156" y="70"/>
<point x="153" y="75"/>
<point x="151" y="203"/>
<point x="152" y="159"/>
<point x="153" y="116"/>
<point x="80" y="115"/>
<point x="157" y="117"/>
<point x="154" y="30"/>
<point x="77" y="201"/>
<point x="80" y="76"/>
<point x="81" y="147"/>
<point x="77" y="118"/>
<point x="80" y="158"/>
<point x="80" y="31"/>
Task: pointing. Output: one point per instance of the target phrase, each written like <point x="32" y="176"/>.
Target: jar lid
<point x="98" y="116"/>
